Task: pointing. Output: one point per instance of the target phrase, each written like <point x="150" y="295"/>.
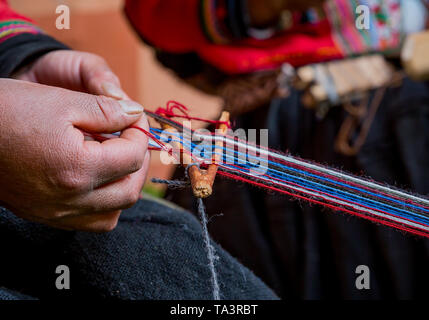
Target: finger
<point x="115" y="196"/>
<point x="135" y="135"/>
<point x="114" y="159"/>
<point x="77" y="71"/>
<point x="100" y="222"/>
<point x="99" y="114"/>
<point x="99" y="79"/>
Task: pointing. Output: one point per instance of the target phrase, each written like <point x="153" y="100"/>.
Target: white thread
<point x="321" y="169"/>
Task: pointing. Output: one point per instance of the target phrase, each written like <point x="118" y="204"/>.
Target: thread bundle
<point x="331" y="188"/>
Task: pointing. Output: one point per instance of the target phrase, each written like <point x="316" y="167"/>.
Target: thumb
<point x="101" y="114"/>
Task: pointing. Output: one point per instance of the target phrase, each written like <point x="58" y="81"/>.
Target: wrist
<point x="22" y="49"/>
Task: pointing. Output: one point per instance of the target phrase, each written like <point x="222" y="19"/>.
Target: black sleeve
<point x="22" y="49"/>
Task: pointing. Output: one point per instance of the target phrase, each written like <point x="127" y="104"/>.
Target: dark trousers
<point x="156" y="252"/>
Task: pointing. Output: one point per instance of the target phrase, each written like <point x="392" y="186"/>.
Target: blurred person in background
<point x="235" y="49"/>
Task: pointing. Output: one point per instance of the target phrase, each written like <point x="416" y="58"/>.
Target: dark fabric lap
<point x="156" y="252"/>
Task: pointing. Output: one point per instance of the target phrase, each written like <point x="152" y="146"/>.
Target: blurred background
<point x="99" y="26"/>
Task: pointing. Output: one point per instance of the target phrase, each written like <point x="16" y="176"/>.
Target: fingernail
<point x="131" y="107"/>
<point x="112" y="90"/>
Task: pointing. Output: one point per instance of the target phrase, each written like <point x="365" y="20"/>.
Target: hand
<point x="74" y="70"/>
<point x="50" y="174"/>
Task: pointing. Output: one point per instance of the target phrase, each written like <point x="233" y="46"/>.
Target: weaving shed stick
<point x="202" y="187"/>
<point x="201" y="180"/>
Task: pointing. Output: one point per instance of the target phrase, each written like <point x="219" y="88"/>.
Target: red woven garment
<point x="175" y="26"/>
<point x="179" y="26"/>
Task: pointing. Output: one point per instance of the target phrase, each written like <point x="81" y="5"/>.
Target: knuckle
<point x="103" y="69"/>
<point x="115" y="78"/>
<point x="131" y="198"/>
<point x="110" y="109"/>
<point x="138" y="160"/>
<point x="103" y="102"/>
<point x="59" y="214"/>
<point x="145" y="121"/>
<point x="99" y="59"/>
<point x="93" y="58"/>
<point x="110" y="224"/>
<point x="55" y="215"/>
<point x="107" y="74"/>
<point x="72" y="181"/>
<point x="69" y="100"/>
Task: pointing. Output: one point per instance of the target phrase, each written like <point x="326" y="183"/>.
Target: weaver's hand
<point x="50" y="174"/>
<point x="74" y="70"/>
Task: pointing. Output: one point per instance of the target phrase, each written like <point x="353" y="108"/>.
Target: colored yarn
<point x="172" y="184"/>
<point x="13" y="27"/>
<point x="301" y="179"/>
<point x="309" y="181"/>
<point x="211" y="254"/>
<point x="174" y="105"/>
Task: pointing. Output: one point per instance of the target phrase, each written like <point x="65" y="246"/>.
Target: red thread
<point x="169" y="112"/>
<point x="325" y="194"/>
<point x="384" y="222"/>
<point x="172" y="105"/>
<point x="152" y="136"/>
<point x="308" y="169"/>
<point x="294" y="165"/>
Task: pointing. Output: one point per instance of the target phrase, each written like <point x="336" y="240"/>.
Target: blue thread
<point x="322" y="188"/>
<point x="324" y="179"/>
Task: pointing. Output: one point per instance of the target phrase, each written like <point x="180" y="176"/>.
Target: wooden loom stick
<point x="204" y="185"/>
<point x="201" y="180"/>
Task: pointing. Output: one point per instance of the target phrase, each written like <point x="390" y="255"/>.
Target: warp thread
<point x="174" y="105"/>
<point x="177" y="184"/>
<point x="318" y="184"/>
<point x="210" y="250"/>
<point x="172" y="184"/>
<point x="211" y="253"/>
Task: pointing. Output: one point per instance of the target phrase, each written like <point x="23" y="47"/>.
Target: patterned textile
<point x="214" y="30"/>
<point x="12" y="24"/>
